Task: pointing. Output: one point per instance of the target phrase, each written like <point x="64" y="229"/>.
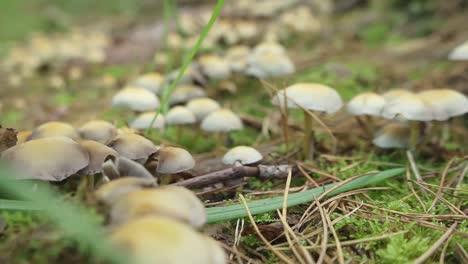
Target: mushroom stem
<point x="309" y="138"/>
<point x="284" y="124"/>
<point x="90" y="184"/>
<point x="179" y="133"/>
<point x="414" y="136"/>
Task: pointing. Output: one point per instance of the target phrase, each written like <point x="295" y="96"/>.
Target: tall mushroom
<point x="172" y="161"/>
<point x="98" y="130"/>
<point x="133" y="146"/>
<point x="367" y="105"/>
<point x="136" y="98"/>
<point x="222" y="121"/>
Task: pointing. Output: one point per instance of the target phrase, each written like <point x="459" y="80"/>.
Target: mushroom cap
<point x="186" y="92"/>
<point x="366" y="104"/>
<point x="460" y="53"/>
<point x="243" y="154"/>
<point x="269" y="64"/>
<point x="161" y="240"/>
<point x="395" y="93"/>
<point x="237" y="57"/>
<point x="136" y="99"/>
<point x="214" y="67"/>
<point x="54" y="129"/>
<point x="269" y="47"/>
<point x="311" y="96"/>
<point x="175" y="202"/>
<point x="180" y="115"/>
<point x="98" y="130"/>
<point x="133" y="146"/>
<point x="394" y="135"/>
<point x="222" y="120"/>
<point x="143" y="121"/>
<point x="410" y="107"/>
<point x="202" y="107"/>
<point x="153" y="82"/>
<point x="47" y="159"/>
<point x="445" y="103"/>
<point x="98" y="153"/>
<point x="174" y="160"/>
<point x="114" y="168"/>
<point x="110" y="192"/>
<point x="23" y="136"/>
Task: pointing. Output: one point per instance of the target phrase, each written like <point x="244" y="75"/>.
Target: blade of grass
<point x="225" y="213"/>
<point x="167" y="92"/>
<point x="70" y="218"/>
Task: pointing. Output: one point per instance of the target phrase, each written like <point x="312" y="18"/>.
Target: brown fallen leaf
<point x="7" y="138"/>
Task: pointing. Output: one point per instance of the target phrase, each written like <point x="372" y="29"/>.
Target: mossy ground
<point x="368" y="67"/>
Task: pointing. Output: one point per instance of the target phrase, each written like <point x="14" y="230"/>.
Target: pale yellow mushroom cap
<point x="174" y="160"/>
<point x="222" y="120"/>
<point x="237" y="57"/>
<point x="47" y="159"/>
<point x="410" y="107"/>
<point x="460" y="53"/>
<point x="186" y="92"/>
<point x="180" y="115"/>
<point x="310" y="96"/>
<point x="269" y="47"/>
<point x="136" y="99"/>
<point x="23" y="136"/>
<point x="214" y="67"/>
<point x="98" y="130"/>
<point x="202" y="107"/>
<point x="393" y="135"/>
<point x="133" y="146"/>
<point x="395" y="93"/>
<point x="143" y="121"/>
<point x="174" y="202"/>
<point x="153" y="82"/>
<point x="153" y="240"/>
<point x="242" y="154"/>
<point x="366" y="104"/>
<point x="54" y="129"/>
<point x="98" y="153"/>
<point x="445" y="103"/>
<point x="110" y="192"/>
<point x="269" y="64"/>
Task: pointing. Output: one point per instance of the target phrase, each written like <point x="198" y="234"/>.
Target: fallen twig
<point x="436" y="245"/>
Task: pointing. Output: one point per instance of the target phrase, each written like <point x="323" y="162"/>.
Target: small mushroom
<point x="174" y="160"/>
<point x="136" y="98"/>
<point x="185" y="92"/>
<point x="98" y="153"/>
<point x="309" y="96"/>
<point x="393" y="94"/>
<point x="222" y="121"/>
<point x="445" y="103"/>
<point x="179" y="116"/>
<point x="152" y="240"/>
<point x="242" y="155"/>
<point x="54" y="129"/>
<point x="175" y="202"/>
<point x="459" y="53"/>
<point x="394" y="135"/>
<point x="268" y="64"/>
<point x="152" y="82"/>
<point x="47" y="159"/>
<point x="367" y="105"/>
<point x="98" y="130"/>
<point x="133" y="146"/>
<point x="110" y="192"/>
<point x="214" y="67"/>
<point x="116" y="167"/>
<point x="237" y="57"/>
<point x="143" y="121"/>
<point x="202" y="107"/>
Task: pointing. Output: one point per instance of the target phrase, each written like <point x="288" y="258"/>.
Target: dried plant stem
<point x="442" y="180"/>
<point x="410" y="184"/>
<point x="339" y="250"/>
<point x="308" y="143"/>
<point x="323" y="250"/>
<point x="436" y="245"/>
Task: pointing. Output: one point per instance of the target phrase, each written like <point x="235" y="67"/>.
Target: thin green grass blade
<point x="74" y="220"/>
<point x="167" y="92"/>
<point x="225" y="213"/>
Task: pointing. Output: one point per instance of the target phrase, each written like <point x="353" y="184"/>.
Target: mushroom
<point x="175" y="202"/>
<point x="152" y="240"/>
<point x="242" y="155"/>
<point x="174" y="160"/>
<point x="136" y="98"/>
<point x="98" y="153"/>
<point x="47" y="159"/>
<point x="110" y="192"/>
<point x="368" y="105"/>
<point x="394" y="135"/>
<point x="116" y="167"/>
<point x="184" y="93"/>
<point x="214" y="67"/>
<point x="460" y="53"/>
<point x="98" y="130"/>
<point x="237" y="57"/>
<point x="393" y="94"/>
<point x="222" y="121"/>
<point x="143" y="121"/>
<point x="23" y="136"/>
<point x="269" y="64"/>
<point x="202" y="107"/>
<point x="179" y="116"/>
<point x="133" y="146"/>
<point x="54" y="129"/>
<point x="309" y="96"/>
<point x="153" y="82"/>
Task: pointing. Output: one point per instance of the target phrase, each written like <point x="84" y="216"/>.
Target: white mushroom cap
<point x="143" y="121"/>
<point x="264" y="65"/>
<point x="366" y="104"/>
<point x="410" y="107"/>
<point x="174" y="160"/>
<point x="311" y="96"/>
<point x="136" y="99"/>
<point x="214" y="67"/>
<point x="47" y="159"/>
<point x="242" y="154"/>
<point x="395" y="93"/>
<point x="222" y="120"/>
<point x="98" y="130"/>
<point x="445" y="103"/>
<point x="393" y="135"/>
<point x="54" y="129"/>
<point x="202" y="107"/>
<point x="175" y="202"/>
<point x="180" y="115"/>
<point x="110" y="192"/>
<point x="153" y="82"/>
<point x="460" y="53"/>
<point x="98" y="153"/>
<point x="269" y="47"/>
<point x="133" y="146"/>
<point x="185" y="92"/>
<point x="152" y="240"/>
<point x="237" y="57"/>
